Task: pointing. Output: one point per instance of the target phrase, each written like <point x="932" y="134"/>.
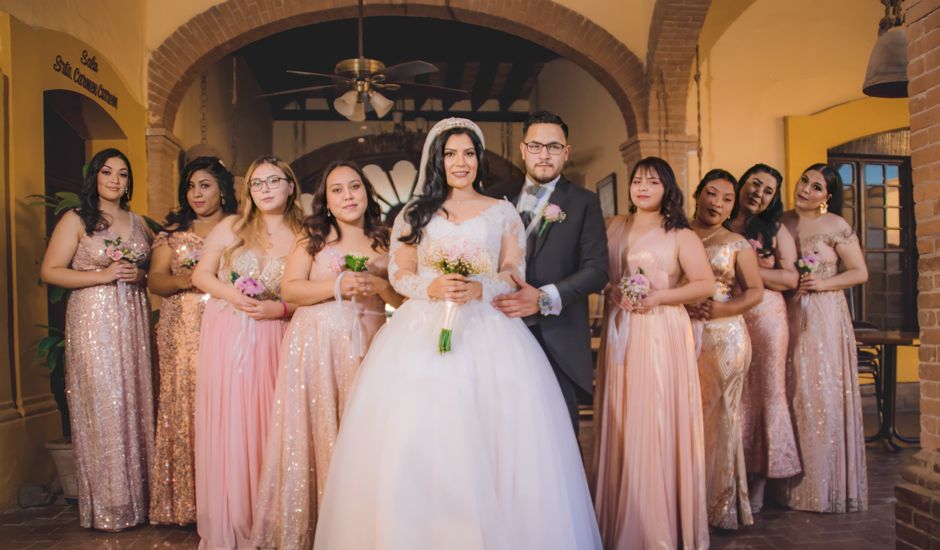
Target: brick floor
<point x="56" y="527"/>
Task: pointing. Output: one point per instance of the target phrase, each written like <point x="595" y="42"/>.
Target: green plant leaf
<point x="57" y="293"/>
<point x="153" y="224"/>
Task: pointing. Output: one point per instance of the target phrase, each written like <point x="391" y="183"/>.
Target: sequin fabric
<point x="107" y="356"/>
<point x="722" y="365"/>
<point x="823" y="391"/>
<point x="172" y="491"/>
<point x="769" y="440"/>
<point x="318" y="364"/>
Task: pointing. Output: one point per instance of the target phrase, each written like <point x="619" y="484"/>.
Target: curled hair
<point x="833" y="185"/>
<point x="248" y="226"/>
<point x="182" y="217"/>
<point x="316" y="226"/>
<point x="672" y="207"/>
<point x="717" y="174"/>
<point x="763" y="226"/>
<point x="418" y="212"/>
<point x="92" y="217"/>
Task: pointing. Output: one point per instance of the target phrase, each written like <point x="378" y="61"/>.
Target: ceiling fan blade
<point x="298" y="91"/>
<point x="408" y="70"/>
<point x="321" y="75"/>
<point x="390" y="86"/>
<point x="433" y="91"/>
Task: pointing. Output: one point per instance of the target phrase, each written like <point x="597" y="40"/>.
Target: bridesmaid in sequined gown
<point x="206" y="194"/>
<point x="649" y="459"/>
<point x="241" y="267"/>
<point x="769" y="441"/>
<point x="321" y="352"/>
<point x="822" y="367"/>
<point x="725" y="349"/>
<point x="107" y="344"/>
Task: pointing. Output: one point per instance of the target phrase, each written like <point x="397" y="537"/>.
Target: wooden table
<point x="889" y="340"/>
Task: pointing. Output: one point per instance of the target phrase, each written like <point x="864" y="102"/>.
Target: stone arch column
<point x="674" y="35"/>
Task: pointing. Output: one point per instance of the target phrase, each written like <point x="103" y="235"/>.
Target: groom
<point x="566" y="257"/>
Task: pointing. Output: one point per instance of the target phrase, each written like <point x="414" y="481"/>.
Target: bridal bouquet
<point x="807" y="264"/>
<point x="117" y="251"/>
<point x="463" y="259"/>
<point x="249" y="286"/>
<point x="636" y="286"/>
<point x="191" y="259"/>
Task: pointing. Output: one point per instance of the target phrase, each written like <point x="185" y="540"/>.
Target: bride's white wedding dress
<point x="467" y="450"/>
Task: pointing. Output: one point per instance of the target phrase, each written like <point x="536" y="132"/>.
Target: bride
<point x="465" y="449"/>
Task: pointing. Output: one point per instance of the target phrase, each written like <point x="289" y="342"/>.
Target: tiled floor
<point x="56" y="527"/>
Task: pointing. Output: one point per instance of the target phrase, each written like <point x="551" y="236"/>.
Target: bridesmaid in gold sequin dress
<point x="822" y="368"/>
<point x="206" y="194"/>
<point x="98" y="251"/>
<point x="769" y="441"/>
<point x="649" y="459"/>
<point x="321" y="352"/>
<point x="725" y="349"/>
<point x="241" y="267"/>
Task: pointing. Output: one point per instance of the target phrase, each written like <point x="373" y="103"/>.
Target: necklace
<point x="712" y="234"/>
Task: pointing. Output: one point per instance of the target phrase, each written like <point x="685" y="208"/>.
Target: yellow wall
<point x="27" y="58"/>
<point x="771" y="60"/>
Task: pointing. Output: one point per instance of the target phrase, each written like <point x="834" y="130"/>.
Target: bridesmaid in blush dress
<point x="649" y="456"/>
<point x="241" y="268"/>
<point x="823" y="366"/>
<point x="206" y="194"/>
<point x="98" y="251"/>
<point x="322" y="350"/>
<point x="725" y="349"/>
<point x="769" y="443"/>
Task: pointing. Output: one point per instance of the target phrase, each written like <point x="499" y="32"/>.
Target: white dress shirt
<point x="526" y="204"/>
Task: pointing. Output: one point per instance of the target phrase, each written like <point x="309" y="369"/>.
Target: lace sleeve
<point x="844" y="236"/>
<point x="403" y="265"/>
<point x="162" y="239"/>
<point x="511" y="257"/>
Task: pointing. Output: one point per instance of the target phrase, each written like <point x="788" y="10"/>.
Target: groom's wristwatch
<point x="545" y="302"/>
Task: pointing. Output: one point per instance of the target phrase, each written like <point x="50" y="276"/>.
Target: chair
<point x="869" y="364"/>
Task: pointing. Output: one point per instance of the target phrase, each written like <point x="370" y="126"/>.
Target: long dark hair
<point x="833" y="185"/>
<point x="763" y="226"/>
<point x="92" y="217"/>
<point x="716" y="174"/>
<point x="418" y="212"/>
<point x="316" y="226"/>
<point x="672" y="208"/>
<point x="182" y="217"/>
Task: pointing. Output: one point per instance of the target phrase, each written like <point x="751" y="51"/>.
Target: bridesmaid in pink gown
<point x="206" y="193"/>
<point x="321" y="351"/>
<point x="241" y="267"/>
<point x="769" y="443"/>
<point x="725" y="349"/>
<point x="823" y="366"/>
<point x="98" y="251"/>
<point x="649" y="455"/>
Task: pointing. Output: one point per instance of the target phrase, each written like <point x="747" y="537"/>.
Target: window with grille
<point x="878" y="203"/>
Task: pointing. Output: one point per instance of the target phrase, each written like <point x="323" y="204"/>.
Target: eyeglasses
<point x="554" y="148"/>
<point x="271" y="182"/>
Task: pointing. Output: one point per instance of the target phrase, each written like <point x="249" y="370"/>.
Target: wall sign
<point x="84" y="78"/>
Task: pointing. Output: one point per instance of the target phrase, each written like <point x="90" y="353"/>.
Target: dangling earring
<point x="127" y="193"/>
<point x="223" y="200"/>
<point x="823" y="208"/>
<point x="329" y="213"/>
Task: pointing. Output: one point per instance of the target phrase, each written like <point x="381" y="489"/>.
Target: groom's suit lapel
<point x="558" y="197"/>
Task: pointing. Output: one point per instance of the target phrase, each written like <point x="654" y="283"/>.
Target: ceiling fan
<point x="362" y="78"/>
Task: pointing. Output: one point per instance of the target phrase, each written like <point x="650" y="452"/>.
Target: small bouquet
<point x="636" y="286"/>
<point x="807" y="264"/>
<point x="551" y="214"/>
<point x="355" y="263"/>
<point x="191" y="259"/>
<point x="462" y="259"/>
<point x="247" y="285"/>
<point x="117" y="251"/>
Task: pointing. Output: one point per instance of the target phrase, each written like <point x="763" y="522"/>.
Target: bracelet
<point x="283" y="309"/>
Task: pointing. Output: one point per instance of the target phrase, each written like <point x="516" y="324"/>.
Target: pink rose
<point x="114" y="253"/>
<point x="248" y="286"/>
<point x="553" y="213"/>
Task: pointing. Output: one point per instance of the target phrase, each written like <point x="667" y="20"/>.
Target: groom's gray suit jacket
<point x="572" y="255"/>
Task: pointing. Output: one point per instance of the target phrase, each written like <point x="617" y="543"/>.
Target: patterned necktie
<point x="537" y="191"/>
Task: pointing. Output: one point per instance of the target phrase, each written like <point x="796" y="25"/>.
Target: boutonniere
<point x="551" y="214"/>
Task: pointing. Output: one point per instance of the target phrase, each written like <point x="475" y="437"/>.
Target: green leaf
<point x="46" y="344"/>
<point x="54" y="359"/>
<point x="153" y="224"/>
<point x="57" y="293"/>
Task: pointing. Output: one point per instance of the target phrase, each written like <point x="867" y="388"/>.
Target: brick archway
<point x="211" y="35"/>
